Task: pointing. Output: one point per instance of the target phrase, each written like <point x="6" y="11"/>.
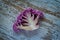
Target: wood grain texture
<point x="49" y="28"/>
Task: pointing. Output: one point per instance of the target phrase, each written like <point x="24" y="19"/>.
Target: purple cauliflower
<point x="28" y="20"/>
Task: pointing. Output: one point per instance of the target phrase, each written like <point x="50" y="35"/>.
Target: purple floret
<point x="24" y="13"/>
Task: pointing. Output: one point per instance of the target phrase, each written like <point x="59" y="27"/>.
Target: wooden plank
<point x="49" y="28"/>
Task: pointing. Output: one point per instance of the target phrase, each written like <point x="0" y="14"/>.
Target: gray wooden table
<point x="49" y="28"/>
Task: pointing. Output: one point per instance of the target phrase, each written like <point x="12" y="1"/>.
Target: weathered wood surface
<point x="49" y="28"/>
